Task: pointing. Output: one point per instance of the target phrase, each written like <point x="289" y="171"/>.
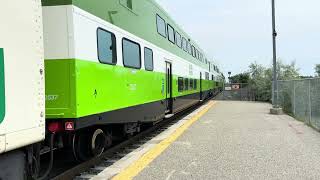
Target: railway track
<point x="89" y="169"/>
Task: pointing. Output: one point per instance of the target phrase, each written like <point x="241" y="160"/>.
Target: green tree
<point x="261" y="78"/>
<point x="317" y="69"/>
<point x="260" y="81"/>
<point x="288" y="71"/>
<point x="240" y="78"/>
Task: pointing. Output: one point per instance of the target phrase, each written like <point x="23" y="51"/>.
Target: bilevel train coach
<point x="76" y="74"/>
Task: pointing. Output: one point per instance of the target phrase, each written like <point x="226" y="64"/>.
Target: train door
<point x="168" y="87"/>
<point x="200" y="86"/>
<point x="213" y="84"/>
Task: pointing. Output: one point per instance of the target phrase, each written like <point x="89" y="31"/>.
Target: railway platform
<point x="227" y="140"/>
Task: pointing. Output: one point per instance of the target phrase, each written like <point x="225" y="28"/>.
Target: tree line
<point x="259" y="77"/>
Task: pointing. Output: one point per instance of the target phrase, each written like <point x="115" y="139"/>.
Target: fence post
<point x="310" y="105"/>
<point x="294" y="98"/>
<point x="240" y="92"/>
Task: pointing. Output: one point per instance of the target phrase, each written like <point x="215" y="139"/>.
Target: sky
<point x="236" y="33"/>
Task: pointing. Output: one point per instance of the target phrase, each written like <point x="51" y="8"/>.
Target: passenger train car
<point x="22" y="88"/>
<point x="110" y="67"/>
<point x="118" y="62"/>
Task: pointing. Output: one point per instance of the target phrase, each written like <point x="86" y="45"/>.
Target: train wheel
<point x="80" y="147"/>
<point x="109" y="141"/>
<point x="99" y="142"/>
<point x="89" y="145"/>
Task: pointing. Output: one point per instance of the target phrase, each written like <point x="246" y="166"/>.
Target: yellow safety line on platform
<point x="135" y="168"/>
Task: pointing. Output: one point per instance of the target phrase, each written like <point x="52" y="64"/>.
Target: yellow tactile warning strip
<point x="135" y="168"/>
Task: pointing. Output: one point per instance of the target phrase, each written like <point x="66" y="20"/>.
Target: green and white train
<point x="75" y="74"/>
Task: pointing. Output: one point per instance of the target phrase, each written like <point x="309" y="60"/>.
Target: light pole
<point x="275" y="78"/>
<point x="275" y="109"/>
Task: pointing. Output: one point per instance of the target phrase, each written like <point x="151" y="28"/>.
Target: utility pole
<point x="276" y="109"/>
<point x="275" y="77"/>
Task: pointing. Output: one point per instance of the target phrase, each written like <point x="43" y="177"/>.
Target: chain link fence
<point x="237" y="92"/>
<point x="301" y="99"/>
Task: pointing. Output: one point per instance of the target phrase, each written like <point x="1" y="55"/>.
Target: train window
<point x="189" y="48"/>
<point x="161" y="26"/>
<point x="148" y="59"/>
<point x="195" y="84"/>
<point x="178" y="40"/>
<point x="171" y="34"/>
<point x="186" y="84"/>
<point x="191" y="84"/>
<point x="197" y="54"/>
<point x="107" y="48"/>
<point x="207" y="76"/>
<point x="129" y="4"/>
<point x="193" y="51"/>
<point x="180" y="84"/>
<point x="184" y="44"/>
<point x="131" y="54"/>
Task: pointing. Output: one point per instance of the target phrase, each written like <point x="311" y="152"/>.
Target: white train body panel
<point x="72" y="34"/>
<point x="21" y="40"/>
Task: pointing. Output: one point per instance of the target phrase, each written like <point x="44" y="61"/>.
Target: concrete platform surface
<point x="240" y="140"/>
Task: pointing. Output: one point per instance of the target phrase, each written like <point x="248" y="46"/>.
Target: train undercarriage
<point x="81" y="144"/>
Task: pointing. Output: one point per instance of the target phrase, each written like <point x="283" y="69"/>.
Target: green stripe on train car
<point x="82" y="88"/>
<point x="2" y="87"/>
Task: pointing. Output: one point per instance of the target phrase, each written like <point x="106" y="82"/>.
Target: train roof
<point x="139" y="19"/>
